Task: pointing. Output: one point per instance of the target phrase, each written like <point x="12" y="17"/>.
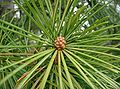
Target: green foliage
<point x="29" y="58"/>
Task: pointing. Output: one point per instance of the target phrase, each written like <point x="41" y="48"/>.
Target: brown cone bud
<point x="60" y="43"/>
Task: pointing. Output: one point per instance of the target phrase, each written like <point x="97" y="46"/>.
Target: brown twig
<point x="23" y="76"/>
<point x="26" y="73"/>
<point x="16" y="54"/>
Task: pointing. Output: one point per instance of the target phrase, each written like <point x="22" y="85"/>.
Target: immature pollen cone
<point x="60" y="43"/>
